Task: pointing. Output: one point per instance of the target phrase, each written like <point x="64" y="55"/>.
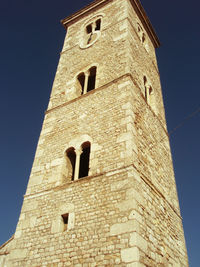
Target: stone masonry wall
<point x="108" y="53"/>
<point x="125" y="212"/>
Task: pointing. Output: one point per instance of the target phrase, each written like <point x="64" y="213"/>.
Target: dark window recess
<point x="98" y="25"/>
<point x="89" y="28"/>
<point x="65" y="218"/>
<point x="146" y="95"/>
<point x="145" y="81"/>
<point x="84" y="160"/>
<point x="92" y="79"/>
<point x="81" y="79"/>
<point x="143" y="38"/>
<point x="72" y="157"/>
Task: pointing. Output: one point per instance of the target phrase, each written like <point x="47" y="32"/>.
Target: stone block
<point x="18" y="254"/>
<point x="127" y="205"/>
<point x="134" y="215"/>
<point x="136" y="264"/>
<point x="130" y="255"/>
<point x="121" y="228"/>
<point x="119" y="185"/>
<point x="139" y="241"/>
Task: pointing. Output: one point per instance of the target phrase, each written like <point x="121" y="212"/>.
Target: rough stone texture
<point x="126" y="212"/>
<point x="5" y="250"/>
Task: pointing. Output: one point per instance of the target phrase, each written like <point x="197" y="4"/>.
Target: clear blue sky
<point x="31" y="39"/>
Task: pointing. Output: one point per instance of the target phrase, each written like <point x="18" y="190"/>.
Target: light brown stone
<point x="125" y="212"/>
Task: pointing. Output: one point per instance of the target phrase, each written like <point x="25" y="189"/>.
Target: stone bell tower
<point x="102" y="190"/>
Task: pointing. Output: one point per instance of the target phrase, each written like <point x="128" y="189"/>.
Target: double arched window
<point x="78" y="161"/>
<point x="87" y="80"/>
<point x="91" y="29"/>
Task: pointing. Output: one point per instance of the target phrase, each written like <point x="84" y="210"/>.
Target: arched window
<point x="71" y="161"/>
<point x="87" y="80"/>
<point x="98" y="25"/>
<point x="91" y="79"/>
<point x="77" y="162"/>
<point x="84" y="160"/>
<point x="92" y="32"/>
<point x="81" y="79"/>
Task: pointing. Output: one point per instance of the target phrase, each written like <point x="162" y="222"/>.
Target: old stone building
<point x="102" y="190"/>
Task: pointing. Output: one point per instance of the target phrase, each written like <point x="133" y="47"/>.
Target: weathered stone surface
<point x="139" y="241"/>
<point x="125" y="212"/>
<point x="130" y="255"/>
<point x="121" y="228"/>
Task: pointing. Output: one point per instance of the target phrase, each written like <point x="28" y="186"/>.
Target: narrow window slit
<point x="91" y="79"/>
<point x="89" y="29"/>
<point x="143" y="38"/>
<point x="84" y="160"/>
<point x="98" y="25"/>
<point x="81" y="79"/>
<point x="71" y="155"/>
<point x="145" y="87"/>
<point x="65" y="218"/>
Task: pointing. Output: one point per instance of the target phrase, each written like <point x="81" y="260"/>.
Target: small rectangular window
<point x="65" y="218"/>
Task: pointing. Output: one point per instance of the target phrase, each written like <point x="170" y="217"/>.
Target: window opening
<point x="98" y="25"/>
<point x="143" y="38"/>
<point x="84" y="160"/>
<point x="145" y="81"/>
<point x="81" y="79"/>
<point x="89" y="29"/>
<point x="65" y="218"/>
<point x="72" y="158"/>
<point x="141" y="33"/>
<point x="148" y="90"/>
<point x="91" y="79"/>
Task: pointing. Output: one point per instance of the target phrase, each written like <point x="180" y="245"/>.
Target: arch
<point x="84" y="159"/>
<point x="71" y="161"/>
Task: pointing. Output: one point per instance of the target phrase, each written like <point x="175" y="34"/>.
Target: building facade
<point x="102" y="190"/>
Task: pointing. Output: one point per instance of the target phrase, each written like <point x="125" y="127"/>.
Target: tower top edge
<point x="99" y="3"/>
